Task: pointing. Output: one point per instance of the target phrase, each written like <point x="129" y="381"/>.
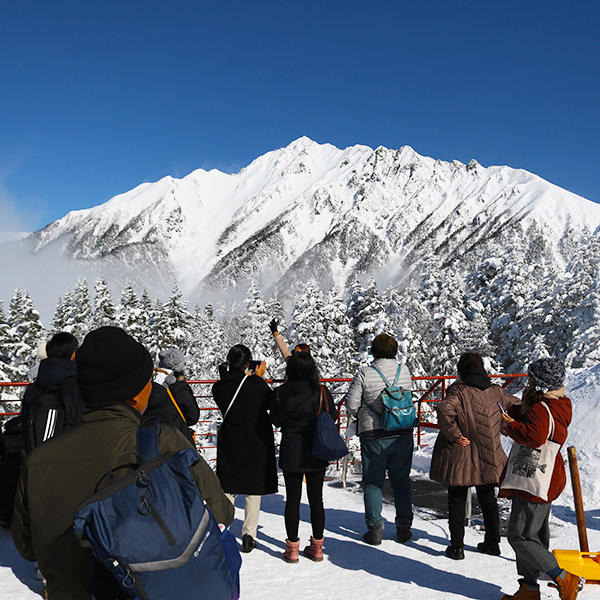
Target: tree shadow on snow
<point x="353" y="554"/>
<point x="345" y="554"/>
<point x="566" y="513"/>
<point x="274" y="504"/>
<point x="24" y="571"/>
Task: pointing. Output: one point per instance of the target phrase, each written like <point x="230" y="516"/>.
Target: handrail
<point x="435" y="386"/>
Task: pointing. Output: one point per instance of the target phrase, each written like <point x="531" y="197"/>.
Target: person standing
<point x="541" y="421"/>
<point x="245" y="444"/>
<point x="295" y="409"/>
<point x="172" y="399"/>
<point x="468" y="451"/>
<point x="114" y="377"/>
<point x="382" y="450"/>
<point x="55" y="373"/>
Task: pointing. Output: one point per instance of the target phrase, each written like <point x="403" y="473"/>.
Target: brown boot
<point x="291" y="551"/>
<point x="568" y="585"/>
<point x="524" y="593"/>
<point x="315" y="550"/>
<point x="373" y="537"/>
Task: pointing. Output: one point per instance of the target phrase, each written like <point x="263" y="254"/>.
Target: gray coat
<point x="366" y="387"/>
<point x="473" y="413"/>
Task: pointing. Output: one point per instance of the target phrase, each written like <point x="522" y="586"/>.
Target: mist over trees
<point x="511" y="308"/>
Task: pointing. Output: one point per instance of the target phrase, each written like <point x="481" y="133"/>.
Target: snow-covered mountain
<point x="315" y="212"/>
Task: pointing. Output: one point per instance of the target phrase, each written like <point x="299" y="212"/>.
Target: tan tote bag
<point x="530" y="469"/>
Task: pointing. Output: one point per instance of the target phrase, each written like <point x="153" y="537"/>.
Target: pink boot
<point x="291" y="551"/>
<point x="315" y="550"/>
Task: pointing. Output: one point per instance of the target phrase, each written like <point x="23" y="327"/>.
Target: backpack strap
<point x="387" y="383"/>
<point x="147" y="439"/>
<point x="175" y="404"/>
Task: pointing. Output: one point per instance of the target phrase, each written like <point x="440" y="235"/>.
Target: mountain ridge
<point x="312" y="211"/>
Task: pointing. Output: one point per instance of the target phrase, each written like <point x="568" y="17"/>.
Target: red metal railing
<point x="426" y="392"/>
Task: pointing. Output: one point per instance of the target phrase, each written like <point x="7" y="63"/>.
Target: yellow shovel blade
<point x="584" y="564"/>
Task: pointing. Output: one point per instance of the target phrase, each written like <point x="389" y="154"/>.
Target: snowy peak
<point x="313" y="212"/>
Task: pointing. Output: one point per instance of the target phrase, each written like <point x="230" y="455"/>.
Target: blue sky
<point x="98" y="97"/>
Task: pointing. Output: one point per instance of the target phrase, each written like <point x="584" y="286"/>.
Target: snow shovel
<point x="586" y="564"/>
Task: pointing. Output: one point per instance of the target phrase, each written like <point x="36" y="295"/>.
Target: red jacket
<point x="531" y="429"/>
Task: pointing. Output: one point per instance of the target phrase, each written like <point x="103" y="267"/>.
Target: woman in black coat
<point x="245" y="444"/>
<point x="294" y="410"/>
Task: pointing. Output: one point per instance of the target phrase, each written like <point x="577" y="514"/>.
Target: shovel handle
<point x="579" y="514"/>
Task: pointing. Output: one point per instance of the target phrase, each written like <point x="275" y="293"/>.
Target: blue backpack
<point x="398" y="408"/>
<point x="152" y="530"/>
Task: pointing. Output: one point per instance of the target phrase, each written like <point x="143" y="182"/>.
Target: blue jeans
<point x="393" y="455"/>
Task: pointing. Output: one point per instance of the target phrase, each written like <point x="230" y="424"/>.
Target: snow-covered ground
<point x="418" y="570"/>
<point x="352" y="569"/>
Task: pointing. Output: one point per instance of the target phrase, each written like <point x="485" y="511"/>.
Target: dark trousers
<point x="293" y="493"/>
<point x="457" y="498"/>
<point x="393" y="455"/>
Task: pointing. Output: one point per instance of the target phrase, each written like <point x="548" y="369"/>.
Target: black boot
<point x="248" y="543"/>
<point x="455" y="552"/>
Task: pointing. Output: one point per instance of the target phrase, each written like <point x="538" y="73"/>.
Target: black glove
<point x="273" y="326"/>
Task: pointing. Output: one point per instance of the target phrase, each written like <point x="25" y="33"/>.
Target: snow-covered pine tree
<point x="206" y="346"/>
<point x="367" y="315"/>
<point x="308" y="321"/>
<point x="584" y="347"/>
<point x="414" y="336"/>
<point x="8" y="371"/>
<point x="78" y="310"/>
<point x="59" y="322"/>
<point x="155" y="339"/>
<point x="392" y="304"/>
<point x="255" y="327"/>
<point x="173" y="323"/>
<point x="443" y="297"/>
<point x="25" y="332"/>
<point x="337" y="350"/>
<point x="571" y="308"/>
<point x="131" y="316"/>
<point x="104" y="309"/>
<point x="275" y="311"/>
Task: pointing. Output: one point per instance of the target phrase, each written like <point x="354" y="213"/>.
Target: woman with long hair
<point x="245" y="445"/>
<point x="295" y="409"/>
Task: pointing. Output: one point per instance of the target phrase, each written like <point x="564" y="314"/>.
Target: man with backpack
<point x="52" y="404"/>
<point x="114" y="377"/>
<point x="383" y="447"/>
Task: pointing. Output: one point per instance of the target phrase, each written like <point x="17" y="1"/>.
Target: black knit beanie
<point x="111" y="366"/>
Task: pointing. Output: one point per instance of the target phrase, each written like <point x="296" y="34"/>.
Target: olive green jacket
<point x="63" y="472"/>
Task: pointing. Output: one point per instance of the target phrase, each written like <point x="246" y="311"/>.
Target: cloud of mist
<point x="15" y="215"/>
<point x="45" y="275"/>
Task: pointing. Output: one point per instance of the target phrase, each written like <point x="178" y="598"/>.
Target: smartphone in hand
<point x="502" y="409"/>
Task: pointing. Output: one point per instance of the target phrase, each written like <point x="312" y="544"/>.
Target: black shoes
<point x="403" y="534"/>
<point x="492" y="549"/>
<point x="373" y="537"/>
<point x="248" y="543"/>
<point x="455" y="553"/>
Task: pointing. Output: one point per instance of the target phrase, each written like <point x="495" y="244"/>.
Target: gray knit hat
<point x="172" y="358"/>
<point x="547" y="373"/>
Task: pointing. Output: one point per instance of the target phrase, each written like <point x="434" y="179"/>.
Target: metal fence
<point x="427" y="391"/>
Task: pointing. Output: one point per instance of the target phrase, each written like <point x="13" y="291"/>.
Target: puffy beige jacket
<point x="473" y="413"/>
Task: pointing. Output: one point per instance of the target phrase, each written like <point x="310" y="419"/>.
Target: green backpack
<point x="398" y="408"/>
